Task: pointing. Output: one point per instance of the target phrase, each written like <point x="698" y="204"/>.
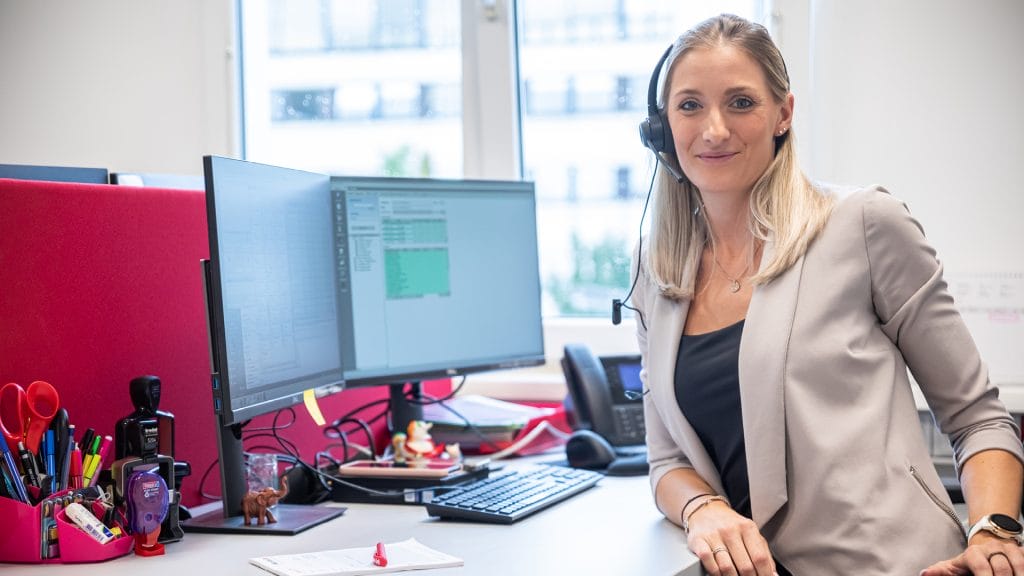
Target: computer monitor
<point x="272" y="314"/>
<point x="439" y="277"/>
<point x="317" y="282"/>
<point x="54" y="173"/>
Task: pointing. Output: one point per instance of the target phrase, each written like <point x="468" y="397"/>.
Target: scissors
<point x="25" y="413"/>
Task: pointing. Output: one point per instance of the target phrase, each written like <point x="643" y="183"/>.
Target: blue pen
<point x="9" y="470"/>
<point x="51" y="463"/>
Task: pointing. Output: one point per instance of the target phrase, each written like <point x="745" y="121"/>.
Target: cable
<point x="618" y="304"/>
<point x="359" y="409"/>
<point x="468" y="425"/>
<point x="530" y="436"/>
<point x="342" y="435"/>
<point x="411" y="399"/>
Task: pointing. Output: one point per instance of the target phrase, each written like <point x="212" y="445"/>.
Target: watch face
<point x="1006" y="523"/>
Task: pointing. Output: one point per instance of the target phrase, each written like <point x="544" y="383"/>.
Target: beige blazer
<point x="841" y="481"/>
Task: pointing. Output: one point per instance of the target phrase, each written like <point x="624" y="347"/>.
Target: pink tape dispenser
<point x="147" y="498"/>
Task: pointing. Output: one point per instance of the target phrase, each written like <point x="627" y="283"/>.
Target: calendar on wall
<point x="992" y="306"/>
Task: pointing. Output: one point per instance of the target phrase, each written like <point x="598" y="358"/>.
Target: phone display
<point x="623" y="373"/>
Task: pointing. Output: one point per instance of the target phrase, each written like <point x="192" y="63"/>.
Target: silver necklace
<point x="734" y="283"/>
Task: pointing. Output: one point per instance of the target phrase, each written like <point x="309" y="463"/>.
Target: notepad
<point x="406" y="555"/>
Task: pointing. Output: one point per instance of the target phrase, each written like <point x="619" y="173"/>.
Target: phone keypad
<point x="629" y="423"/>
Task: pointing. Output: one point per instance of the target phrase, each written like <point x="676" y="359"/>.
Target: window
<point x="358" y="88"/>
<point x="376" y="87"/>
<point x="584" y="68"/>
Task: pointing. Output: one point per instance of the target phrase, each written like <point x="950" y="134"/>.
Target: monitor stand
<point x="291" y="518"/>
<point x="404" y="407"/>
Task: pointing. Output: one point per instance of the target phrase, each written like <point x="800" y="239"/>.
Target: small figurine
<point x="257" y="504"/>
<point x="453" y="452"/>
<point x="416" y="445"/>
<point x="397" y="442"/>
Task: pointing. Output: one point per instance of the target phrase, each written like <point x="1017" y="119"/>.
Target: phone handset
<point x="589" y="392"/>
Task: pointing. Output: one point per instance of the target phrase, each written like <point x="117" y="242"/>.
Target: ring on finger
<point x="999" y="553"/>
<point x="718" y="549"/>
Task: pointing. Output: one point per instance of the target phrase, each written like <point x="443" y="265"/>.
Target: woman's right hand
<point x="728" y="543"/>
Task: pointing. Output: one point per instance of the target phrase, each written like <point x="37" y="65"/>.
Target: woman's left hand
<point x="986" y="556"/>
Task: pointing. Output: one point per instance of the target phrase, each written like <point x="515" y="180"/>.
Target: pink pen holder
<point x="23" y="542"/>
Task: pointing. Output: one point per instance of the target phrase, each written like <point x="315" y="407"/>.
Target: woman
<point x="778" y="320"/>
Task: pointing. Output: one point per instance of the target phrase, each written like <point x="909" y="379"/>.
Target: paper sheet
<point x="405" y="555"/>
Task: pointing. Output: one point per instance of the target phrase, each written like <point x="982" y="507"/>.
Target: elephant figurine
<point x="257" y="504"/>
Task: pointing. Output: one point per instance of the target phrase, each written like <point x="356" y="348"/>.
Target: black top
<point x="708" y="393"/>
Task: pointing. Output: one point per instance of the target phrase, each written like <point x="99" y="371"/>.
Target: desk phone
<point x="605" y="394"/>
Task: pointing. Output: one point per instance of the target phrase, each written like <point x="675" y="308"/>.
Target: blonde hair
<point x="784" y="207"/>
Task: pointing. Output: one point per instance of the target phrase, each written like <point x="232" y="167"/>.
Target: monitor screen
<point x="275" y="323"/>
<point x="272" y="312"/>
<point x="439" y="277"/>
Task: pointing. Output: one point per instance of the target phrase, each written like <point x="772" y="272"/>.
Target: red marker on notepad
<point x="380" y="558"/>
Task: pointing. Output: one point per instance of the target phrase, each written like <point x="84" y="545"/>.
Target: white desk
<point x="613" y="528"/>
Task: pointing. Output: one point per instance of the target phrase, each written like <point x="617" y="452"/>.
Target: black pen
<point x="59" y="425"/>
<point x="86" y="442"/>
<point x="65" y="462"/>
<point x="28" y="465"/>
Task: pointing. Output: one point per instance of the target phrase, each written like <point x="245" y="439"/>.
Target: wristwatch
<point x="1001" y="525"/>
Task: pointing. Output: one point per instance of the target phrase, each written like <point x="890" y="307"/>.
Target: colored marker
<point x="75" y="471"/>
<point x="50" y="463"/>
<point x="100" y="458"/>
<point x="91" y="454"/>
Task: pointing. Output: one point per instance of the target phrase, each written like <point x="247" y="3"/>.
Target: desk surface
<point x="613" y="528"/>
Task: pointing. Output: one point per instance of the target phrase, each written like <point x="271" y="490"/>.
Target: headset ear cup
<point x="656" y="134"/>
<point x="646" y="133"/>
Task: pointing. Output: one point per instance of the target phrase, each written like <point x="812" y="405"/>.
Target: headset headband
<point x="652" y="90"/>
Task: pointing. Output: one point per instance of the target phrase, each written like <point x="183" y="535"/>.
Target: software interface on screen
<point x="372" y="280"/>
<point x="437" y="275"/>
<point x="276" y="273"/>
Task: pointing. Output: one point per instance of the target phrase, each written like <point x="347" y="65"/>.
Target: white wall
<point x="922" y="96"/>
<point x="129" y="85"/>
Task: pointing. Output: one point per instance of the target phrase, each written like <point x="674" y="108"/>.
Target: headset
<point x="656" y="136"/>
<point x="655" y="132"/>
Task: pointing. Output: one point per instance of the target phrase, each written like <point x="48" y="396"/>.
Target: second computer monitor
<point x="438" y="277"/>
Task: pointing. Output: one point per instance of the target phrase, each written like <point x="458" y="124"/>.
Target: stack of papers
<point x="498" y="421"/>
<point x="406" y="555"/>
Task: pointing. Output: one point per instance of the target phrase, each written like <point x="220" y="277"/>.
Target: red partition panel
<point x="101" y="284"/>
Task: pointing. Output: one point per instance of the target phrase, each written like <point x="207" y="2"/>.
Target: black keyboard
<point x="508" y="496"/>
